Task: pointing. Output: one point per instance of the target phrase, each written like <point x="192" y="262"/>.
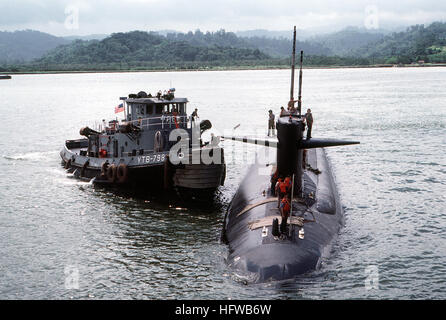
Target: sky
<point x="84" y="17"/>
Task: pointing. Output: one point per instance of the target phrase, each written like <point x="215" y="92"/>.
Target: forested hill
<point x="138" y="48"/>
<point x="416" y="43"/>
<point x="275" y="47"/>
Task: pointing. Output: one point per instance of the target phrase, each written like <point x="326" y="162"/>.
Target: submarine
<point x="264" y="247"/>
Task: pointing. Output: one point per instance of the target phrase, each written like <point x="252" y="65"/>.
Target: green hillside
<point x="274" y="47"/>
<point x="416" y="43"/>
<point x="140" y="49"/>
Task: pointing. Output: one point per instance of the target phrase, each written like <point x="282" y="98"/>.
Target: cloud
<point x="107" y="16"/>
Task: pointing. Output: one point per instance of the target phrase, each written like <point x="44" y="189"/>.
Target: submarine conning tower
<point x="289" y="157"/>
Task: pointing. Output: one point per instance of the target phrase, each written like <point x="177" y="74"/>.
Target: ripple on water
<point x="407" y="189"/>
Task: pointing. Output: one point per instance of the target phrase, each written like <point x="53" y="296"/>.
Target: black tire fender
<point x="104" y="168"/>
<point x="111" y="173"/>
<point x="122" y="173"/>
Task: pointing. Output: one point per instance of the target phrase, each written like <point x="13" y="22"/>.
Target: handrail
<point x="164" y="120"/>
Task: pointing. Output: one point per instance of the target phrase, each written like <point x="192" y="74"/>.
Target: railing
<point x="165" y="121"/>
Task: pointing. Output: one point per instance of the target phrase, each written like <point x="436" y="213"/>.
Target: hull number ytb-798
<point x="152" y="158"/>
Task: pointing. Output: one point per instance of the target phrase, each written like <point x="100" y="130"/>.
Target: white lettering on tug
<point x="151" y="159"/>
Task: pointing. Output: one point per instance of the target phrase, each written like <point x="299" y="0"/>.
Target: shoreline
<point x="225" y="69"/>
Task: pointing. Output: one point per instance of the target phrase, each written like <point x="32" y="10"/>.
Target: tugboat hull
<point x="150" y="172"/>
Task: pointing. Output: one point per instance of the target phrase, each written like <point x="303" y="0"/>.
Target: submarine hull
<point x="254" y="252"/>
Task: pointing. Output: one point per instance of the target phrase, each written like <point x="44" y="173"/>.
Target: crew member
<point x="287" y="183"/>
<point x="309" y="120"/>
<point x="282" y="190"/>
<point x="175" y="117"/>
<point x="194" y="116"/>
<point x="291" y="108"/>
<point x="277" y="190"/>
<point x="285" y="207"/>
<point x="271" y="125"/>
<point x="282" y="111"/>
<point x="274" y="179"/>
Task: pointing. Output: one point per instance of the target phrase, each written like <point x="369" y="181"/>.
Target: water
<point x="55" y="229"/>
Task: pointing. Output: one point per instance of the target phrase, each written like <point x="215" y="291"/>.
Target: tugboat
<point x="271" y="244"/>
<point x="156" y="147"/>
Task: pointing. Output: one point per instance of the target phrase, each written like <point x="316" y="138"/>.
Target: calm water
<point x="54" y="229"/>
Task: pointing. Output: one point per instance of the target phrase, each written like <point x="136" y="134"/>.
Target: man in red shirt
<point x="280" y="190"/>
<point x="287" y="185"/>
<point x="285" y="207"/>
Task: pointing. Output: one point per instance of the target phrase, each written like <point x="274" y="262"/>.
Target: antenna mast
<point x="293" y="62"/>
<point x="299" y="102"/>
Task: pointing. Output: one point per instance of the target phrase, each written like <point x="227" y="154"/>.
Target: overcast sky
<point x="83" y="17"/>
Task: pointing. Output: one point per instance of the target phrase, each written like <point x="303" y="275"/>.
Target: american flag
<point x="119" y="108"/>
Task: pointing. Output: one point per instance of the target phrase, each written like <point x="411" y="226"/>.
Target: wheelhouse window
<point x="182" y="108"/>
<point x="149" y="109"/>
<point x="140" y="109"/>
<point x="159" y="109"/>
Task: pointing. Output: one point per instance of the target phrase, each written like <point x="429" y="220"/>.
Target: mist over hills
<point x="310" y="34"/>
<point x="26" y="45"/>
<point x="262" y="33"/>
<point x="87" y="37"/>
<point x="346" y="41"/>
